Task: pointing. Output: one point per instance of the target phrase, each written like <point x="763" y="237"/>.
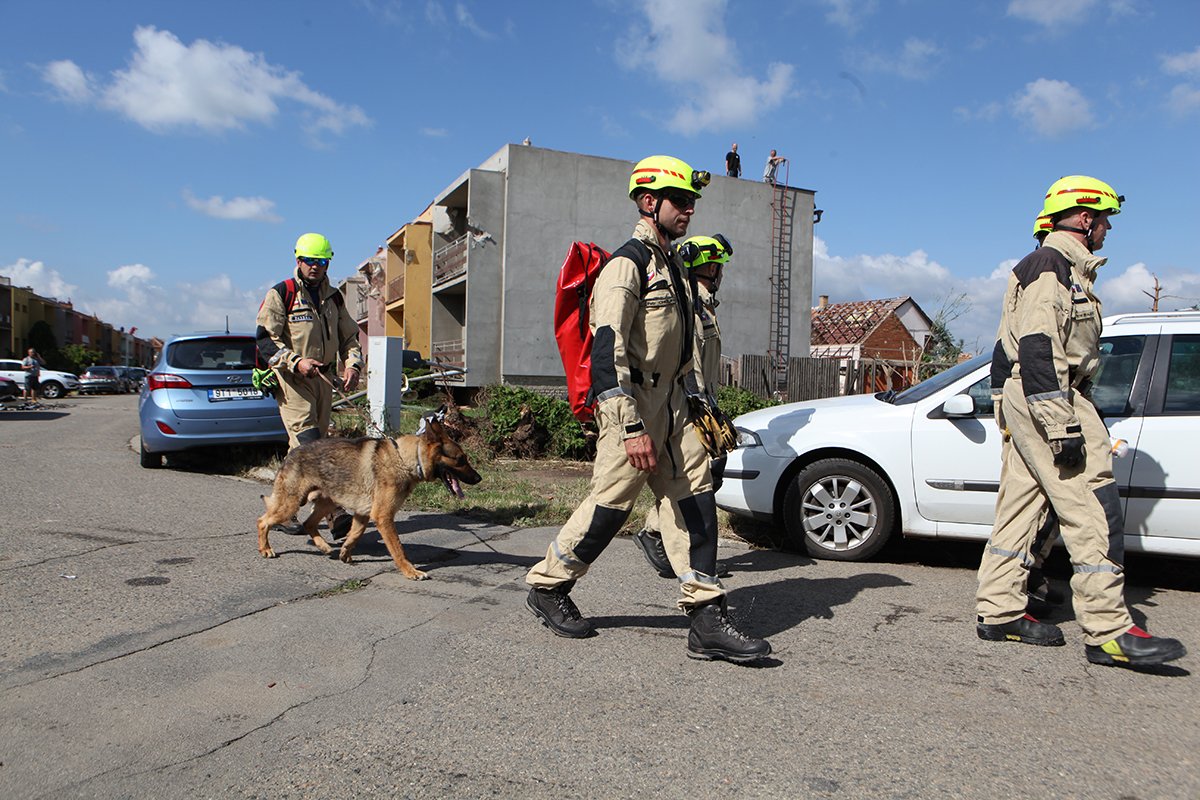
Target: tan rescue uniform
<point x="1057" y="317"/>
<point x="648" y="335"/>
<point x="304" y="331"/>
<point x="708" y="341"/>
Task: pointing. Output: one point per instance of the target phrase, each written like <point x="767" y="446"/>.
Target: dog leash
<point x="369" y="424"/>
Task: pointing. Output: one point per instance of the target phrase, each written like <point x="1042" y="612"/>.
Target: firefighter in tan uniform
<point x="705" y="258"/>
<point x="1060" y="454"/>
<point x="643" y="367"/>
<point x="302" y="342"/>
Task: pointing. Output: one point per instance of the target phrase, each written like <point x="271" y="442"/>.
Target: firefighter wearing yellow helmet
<point x="705" y="258"/>
<point x="303" y="328"/>
<point x="1060" y="459"/>
<point x="644" y="365"/>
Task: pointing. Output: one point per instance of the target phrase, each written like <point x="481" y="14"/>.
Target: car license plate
<point x="234" y="393"/>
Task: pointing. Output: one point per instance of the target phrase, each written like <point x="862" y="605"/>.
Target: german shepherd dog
<point x="370" y="479"/>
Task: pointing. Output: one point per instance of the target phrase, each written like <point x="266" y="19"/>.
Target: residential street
<point x="147" y="650"/>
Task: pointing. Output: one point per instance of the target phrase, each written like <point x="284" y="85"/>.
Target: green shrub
<point x="550" y="427"/>
<point x="735" y="401"/>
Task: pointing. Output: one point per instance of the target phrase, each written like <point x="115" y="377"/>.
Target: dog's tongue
<point x="455" y="489"/>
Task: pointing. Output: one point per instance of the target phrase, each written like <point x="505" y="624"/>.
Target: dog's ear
<point x="433" y="429"/>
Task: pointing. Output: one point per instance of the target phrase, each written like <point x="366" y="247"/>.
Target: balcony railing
<point x="448" y="353"/>
<point x="450" y="261"/>
<point x="395" y="289"/>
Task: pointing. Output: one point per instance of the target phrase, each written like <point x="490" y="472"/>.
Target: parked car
<point x="130" y="378"/>
<point x="199" y="394"/>
<point x="52" y="384"/>
<point x="137" y="376"/>
<point x="842" y="475"/>
<point x="9" y="390"/>
<point x="101" y="379"/>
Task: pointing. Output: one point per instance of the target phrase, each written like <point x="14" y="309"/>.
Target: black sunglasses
<point x="315" y="262"/>
<point x="681" y="201"/>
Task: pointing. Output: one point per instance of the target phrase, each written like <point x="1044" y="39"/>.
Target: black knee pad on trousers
<point x="700" y="518"/>
<point x="605" y="524"/>
<point x="1110" y="501"/>
<point x="308" y="435"/>
<point x="718" y="471"/>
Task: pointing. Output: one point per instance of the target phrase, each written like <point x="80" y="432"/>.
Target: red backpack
<point x="571" y="314"/>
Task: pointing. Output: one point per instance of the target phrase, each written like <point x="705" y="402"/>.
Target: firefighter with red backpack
<point x="644" y="368"/>
<point x="303" y="327"/>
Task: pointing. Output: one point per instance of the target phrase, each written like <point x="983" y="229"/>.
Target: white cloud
<point x="715" y="92"/>
<point x="129" y="276"/>
<point x="37" y="276"/>
<point x="1052" y="108"/>
<point x="848" y="14"/>
<point x="205" y="85"/>
<point x="68" y="80"/>
<point x="1184" y="99"/>
<point x="465" y="19"/>
<point x="1183" y="63"/>
<point x="1049" y="14"/>
<point x="156" y="311"/>
<point x="986" y="112"/>
<point x="915" y="275"/>
<point x="255" y="209"/>
<point x="916" y="60"/>
<point x="1127" y="291"/>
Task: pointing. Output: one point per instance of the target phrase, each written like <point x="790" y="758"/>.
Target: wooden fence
<point x="814" y="378"/>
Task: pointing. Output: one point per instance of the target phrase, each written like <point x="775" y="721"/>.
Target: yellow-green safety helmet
<point x="313" y="245"/>
<point x="657" y="173"/>
<point x="1081" y="191"/>
<point x="700" y="250"/>
<point x="1042" y="225"/>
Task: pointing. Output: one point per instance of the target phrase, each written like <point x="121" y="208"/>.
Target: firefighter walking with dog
<point x="705" y="258"/>
<point x="303" y="327"/>
<point x="1060" y="454"/>
<point x="644" y="367"/>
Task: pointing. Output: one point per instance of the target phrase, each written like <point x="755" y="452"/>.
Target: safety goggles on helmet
<point x="681" y="200"/>
<point x="659" y="173"/>
<point x="314" y="262"/>
<point x="700" y="250"/>
<point x="1081" y="191"/>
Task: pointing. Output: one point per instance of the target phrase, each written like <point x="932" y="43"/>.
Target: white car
<point x="52" y="383"/>
<point x="841" y="475"/>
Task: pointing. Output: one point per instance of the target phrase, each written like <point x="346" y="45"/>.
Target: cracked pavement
<point x="146" y="649"/>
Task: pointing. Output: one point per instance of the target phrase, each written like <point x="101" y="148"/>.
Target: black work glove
<point x="1068" y="452"/>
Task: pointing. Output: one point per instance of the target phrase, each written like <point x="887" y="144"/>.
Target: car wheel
<point x="51" y="390"/>
<point x="838" y="509"/>
<point x="149" y="460"/>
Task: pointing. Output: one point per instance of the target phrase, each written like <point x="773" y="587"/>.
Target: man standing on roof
<point x="303" y="326"/>
<point x="643" y="367"/>
<point x="733" y="162"/>
<point x="1060" y="455"/>
<point x="773" y="162"/>
<point x="705" y="258"/>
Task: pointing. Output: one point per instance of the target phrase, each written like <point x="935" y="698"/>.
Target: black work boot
<point x="1135" y="648"/>
<point x="1039" y="590"/>
<point x="652" y="545"/>
<point x="558" y="612"/>
<point x="339" y="526"/>
<point x="1026" y="630"/>
<point x="714" y="636"/>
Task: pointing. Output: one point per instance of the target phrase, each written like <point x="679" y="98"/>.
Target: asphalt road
<point x="147" y="650"/>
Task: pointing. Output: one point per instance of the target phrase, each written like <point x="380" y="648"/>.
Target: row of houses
<point x="21" y="309"/>
<point x="470" y="280"/>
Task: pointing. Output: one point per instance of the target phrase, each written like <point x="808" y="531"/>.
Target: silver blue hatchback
<point x="199" y="395"/>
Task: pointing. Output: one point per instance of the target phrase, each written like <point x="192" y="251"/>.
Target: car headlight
<point x="747" y="438"/>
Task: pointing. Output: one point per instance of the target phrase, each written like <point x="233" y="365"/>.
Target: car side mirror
<point x="960" y="405"/>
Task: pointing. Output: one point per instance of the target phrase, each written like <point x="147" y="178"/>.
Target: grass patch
<point x="352" y="585"/>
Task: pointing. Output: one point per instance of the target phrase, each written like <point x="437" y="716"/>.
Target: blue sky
<point x="159" y="159"/>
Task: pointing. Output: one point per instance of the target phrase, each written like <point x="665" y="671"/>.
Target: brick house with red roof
<point x="893" y="332"/>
